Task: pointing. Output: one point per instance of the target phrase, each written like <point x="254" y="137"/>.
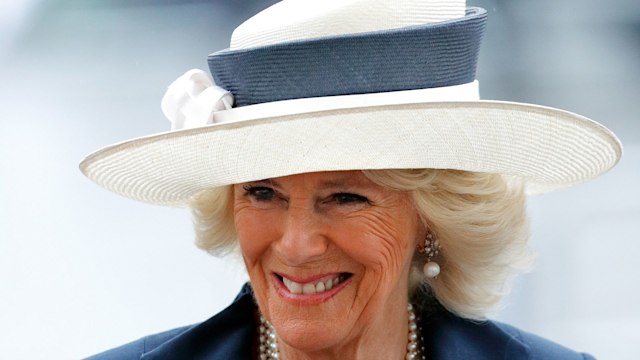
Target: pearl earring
<point x="431" y="249"/>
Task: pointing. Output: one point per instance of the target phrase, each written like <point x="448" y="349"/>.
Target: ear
<point x="421" y="232"/>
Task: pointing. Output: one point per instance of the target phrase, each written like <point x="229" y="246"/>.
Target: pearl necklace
<point x="269" y="347"/>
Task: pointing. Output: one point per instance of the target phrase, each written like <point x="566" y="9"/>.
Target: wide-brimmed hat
<point x="328" y="85"/>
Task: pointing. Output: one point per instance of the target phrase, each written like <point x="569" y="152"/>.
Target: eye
<point x="349" y="198"/>
<point x="259" y="193"/>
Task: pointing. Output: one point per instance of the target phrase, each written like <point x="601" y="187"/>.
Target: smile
<point x="313" y="287"/>
<point x="318" y="286"/>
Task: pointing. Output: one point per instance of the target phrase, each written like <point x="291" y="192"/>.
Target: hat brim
<point x="546" y="147"/>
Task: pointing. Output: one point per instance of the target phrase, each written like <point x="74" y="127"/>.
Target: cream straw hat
<point x="349" y="84"/>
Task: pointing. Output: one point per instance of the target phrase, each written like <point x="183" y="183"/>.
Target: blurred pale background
<point x="82" y="270"/>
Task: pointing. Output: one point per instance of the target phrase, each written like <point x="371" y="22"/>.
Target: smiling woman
<point x="462" y="208"/>
<point x="377" y="202"/>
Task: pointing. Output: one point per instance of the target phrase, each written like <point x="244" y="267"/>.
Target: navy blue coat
<point x="232" y="334"/>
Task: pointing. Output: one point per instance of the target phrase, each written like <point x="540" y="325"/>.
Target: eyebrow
<point x="268" y="181"/>
<point x="333" y="184"/>
<point x="338" y="182"/>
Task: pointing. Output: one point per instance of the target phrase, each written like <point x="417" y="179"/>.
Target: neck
<point x="387" y="337"/>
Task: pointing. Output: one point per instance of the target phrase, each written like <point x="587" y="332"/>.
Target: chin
<point x="310" y="335"/>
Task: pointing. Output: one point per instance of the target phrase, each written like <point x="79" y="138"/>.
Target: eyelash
<point x="253" y="192"/>
<point x="342" y="198"/>
<point x="348" y="198"/>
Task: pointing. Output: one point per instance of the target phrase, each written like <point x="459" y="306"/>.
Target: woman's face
<point x="328" y="254"/>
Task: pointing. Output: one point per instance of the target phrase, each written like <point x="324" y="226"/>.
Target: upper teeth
<point x="311" y="288"/>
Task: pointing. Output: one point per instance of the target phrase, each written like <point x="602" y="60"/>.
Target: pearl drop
<point x="431" y="269"/>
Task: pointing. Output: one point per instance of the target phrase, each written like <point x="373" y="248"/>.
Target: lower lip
<point x="307" y="299"/>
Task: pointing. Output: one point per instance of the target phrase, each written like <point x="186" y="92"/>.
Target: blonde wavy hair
<point x="479" y="219"/>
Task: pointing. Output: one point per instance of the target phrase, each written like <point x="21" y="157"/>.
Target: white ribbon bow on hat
<point x="191" y="100"/>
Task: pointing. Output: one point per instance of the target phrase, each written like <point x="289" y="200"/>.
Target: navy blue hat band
<point x="415" y="57"/>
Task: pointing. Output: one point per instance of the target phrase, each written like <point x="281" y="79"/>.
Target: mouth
<point x="313" y="287"/>
<point x="311" y="290"/>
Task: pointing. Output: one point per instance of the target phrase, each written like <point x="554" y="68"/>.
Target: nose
<point x="303" y="239"/>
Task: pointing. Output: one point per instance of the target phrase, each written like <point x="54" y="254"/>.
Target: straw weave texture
<point x="548" y="148"/>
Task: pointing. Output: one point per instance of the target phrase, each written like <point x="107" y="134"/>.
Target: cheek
<point x="256" y="230"/>
<point x="382" y="243"/>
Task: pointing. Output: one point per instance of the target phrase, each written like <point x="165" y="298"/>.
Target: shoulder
<point x="135" y="349"/>
<point x="450" y="337"/>
<point x="224" y="336"/>
<point x="539" y="347"/>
